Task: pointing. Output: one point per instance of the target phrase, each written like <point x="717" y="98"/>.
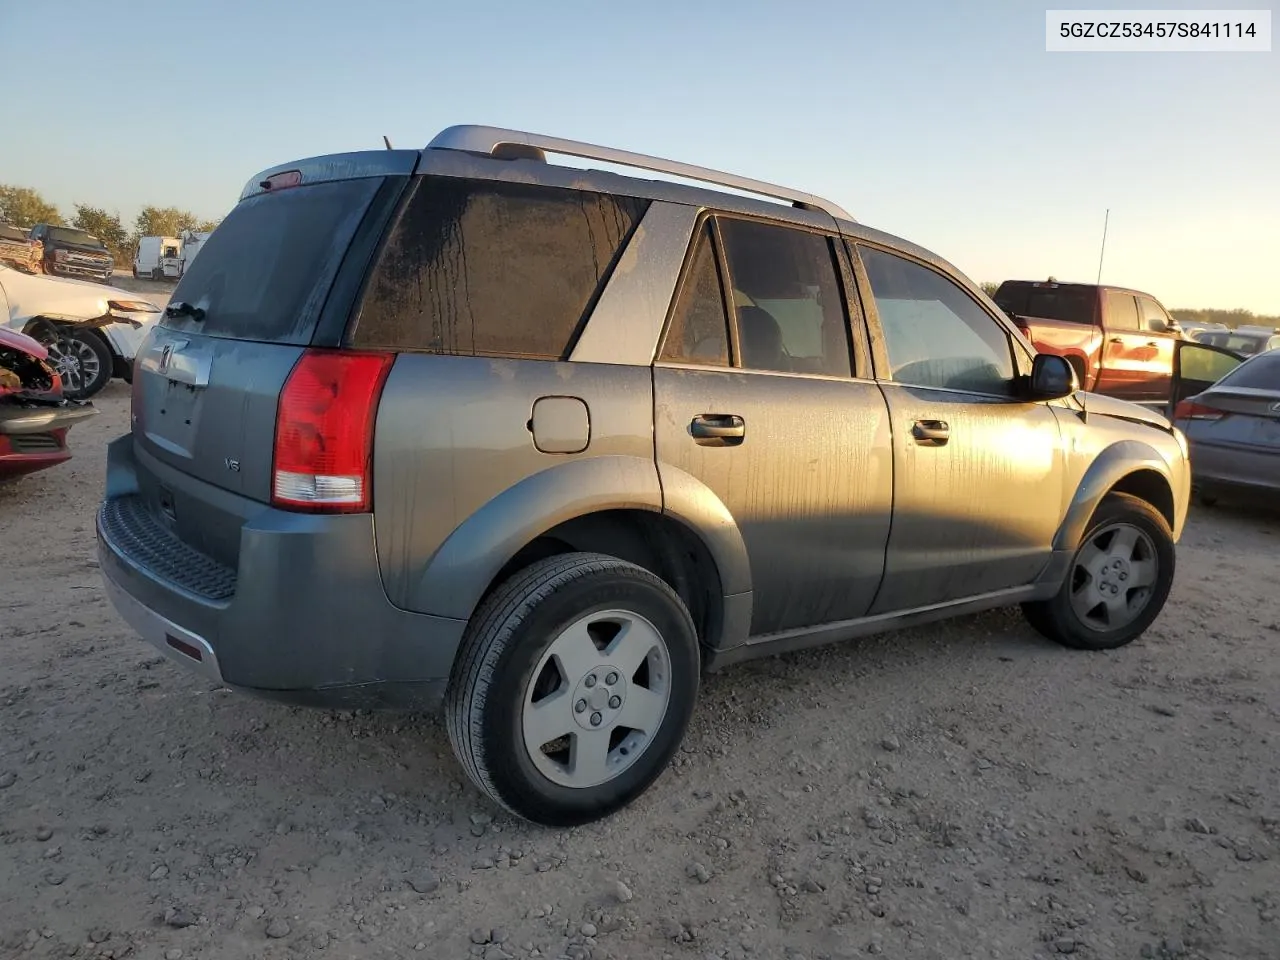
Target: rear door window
<point x="1122" y="311"/>
<point x="788" y="300"/>
<point x="493" y="269"/>
<point x="265" y="272"/>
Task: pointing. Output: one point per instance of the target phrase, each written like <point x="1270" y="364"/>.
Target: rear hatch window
<point x="1071" y="304"/>
<point x="265" y="271"/>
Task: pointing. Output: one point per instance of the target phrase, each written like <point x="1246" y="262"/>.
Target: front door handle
<point x="718" y="430"/>
<point x="1115" y="340"/>
<point x="1153" y="343"/>
<point x="931" y="433"/>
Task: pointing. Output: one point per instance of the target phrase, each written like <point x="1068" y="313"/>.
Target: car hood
<point x="79" y="248"/>
<point x="1122" y="410"/>
<point x="35" y="296"/>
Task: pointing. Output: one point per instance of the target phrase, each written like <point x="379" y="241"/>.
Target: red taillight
<point x="324" y="431"/>
<point x="1190" y="410"/>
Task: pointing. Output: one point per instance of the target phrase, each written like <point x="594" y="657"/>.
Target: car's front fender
<point x="1136" y="467"/>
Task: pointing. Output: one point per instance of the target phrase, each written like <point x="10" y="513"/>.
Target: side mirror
<point x="1052" y="378"/>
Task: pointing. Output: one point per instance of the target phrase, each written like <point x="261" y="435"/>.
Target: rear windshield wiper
<point x="184" y="309"/>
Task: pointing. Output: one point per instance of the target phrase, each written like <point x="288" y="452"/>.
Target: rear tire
<point x="1113" y="591"/>
<point x="585" y="654"/>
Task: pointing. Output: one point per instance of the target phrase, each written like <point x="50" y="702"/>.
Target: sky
<point x="947" y="123"/>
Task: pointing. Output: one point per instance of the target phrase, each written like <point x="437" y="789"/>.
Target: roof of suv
<point x="517" y="156"/>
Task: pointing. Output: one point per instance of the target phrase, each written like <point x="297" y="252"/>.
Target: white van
<point x="158" y="258"/>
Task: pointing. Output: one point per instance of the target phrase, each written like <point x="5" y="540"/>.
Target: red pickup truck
<point x="1120" y="341"/>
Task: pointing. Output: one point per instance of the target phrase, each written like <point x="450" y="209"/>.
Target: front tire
<point x="81" y="357"/>
<point x="1118" y="581"/>
<point x="573" y="688"/>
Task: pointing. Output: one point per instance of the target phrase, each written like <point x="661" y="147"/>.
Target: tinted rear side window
<point x="1070" y="304"/>
<point x="1261" y="373"/>
<point x="265" y="272"/>
<point x="483" y="268"/>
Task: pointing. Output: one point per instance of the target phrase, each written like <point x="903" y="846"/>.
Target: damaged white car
<point x="92" y="332"/>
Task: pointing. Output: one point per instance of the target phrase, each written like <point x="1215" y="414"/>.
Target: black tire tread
<point x="1049" y="622"/>
<point x="491" y="629"/>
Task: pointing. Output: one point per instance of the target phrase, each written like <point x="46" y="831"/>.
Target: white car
<point x="92" y="331"/>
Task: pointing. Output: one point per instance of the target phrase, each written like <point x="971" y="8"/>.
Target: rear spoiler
<point x="336" y="166"/>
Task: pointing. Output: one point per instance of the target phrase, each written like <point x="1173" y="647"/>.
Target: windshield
<point x="71" y="235"/>
<point x="1067" y="302"/>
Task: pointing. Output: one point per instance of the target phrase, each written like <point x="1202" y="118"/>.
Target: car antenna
<point x="386" y="141"/>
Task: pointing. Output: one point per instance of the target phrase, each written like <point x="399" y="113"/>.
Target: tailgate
<point x="208" y="378"/>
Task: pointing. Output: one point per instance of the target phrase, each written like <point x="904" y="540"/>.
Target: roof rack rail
<point x="515" y="144"/>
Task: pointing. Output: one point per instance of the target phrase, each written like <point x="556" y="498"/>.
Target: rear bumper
<point x="304" y="617"/>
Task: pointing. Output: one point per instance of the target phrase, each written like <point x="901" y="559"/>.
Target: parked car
<point x="34" y="415"/>
<point x="1244" y="341"/>
<point x="72" y="252"/>
<point x="18" y="250"/>
<point x="459" y="427"/>
<point x="1119" y="341"/>
<point x="1190" y="328"/>
<point x="158" y="258"/>
<point x="1228" y="405"/>
<point x="92" y="332"/>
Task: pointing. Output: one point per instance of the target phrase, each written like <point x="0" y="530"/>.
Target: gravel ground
<point x="962" y="791"/>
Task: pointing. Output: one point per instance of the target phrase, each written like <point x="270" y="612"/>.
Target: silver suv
<point x="460" y="427"/>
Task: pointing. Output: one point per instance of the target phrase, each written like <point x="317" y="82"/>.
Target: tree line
<point x="25" y="207"/>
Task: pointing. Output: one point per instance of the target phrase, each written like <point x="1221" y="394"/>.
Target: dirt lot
<point x="964" y="791"/>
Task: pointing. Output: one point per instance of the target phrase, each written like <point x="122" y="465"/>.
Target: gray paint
<point x="810" y="488"/>
<point x="452" y="436"/>
<point x="975" y="515"/>
<point x="797" y="519"/>
<point x="560" y="425"/>
<point x="629" y="316"/>
<point x="280" y="632"/>
<point x="197" y="429"/>
<point x="340" y="166"/>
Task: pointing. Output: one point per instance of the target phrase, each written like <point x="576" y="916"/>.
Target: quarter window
<point x="699" y="331"/>
<point x="485" y="268"/>
<point x="787" y="299"/>
<point x="934" y="333"/>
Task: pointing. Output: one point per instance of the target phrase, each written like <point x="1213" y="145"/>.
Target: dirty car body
<point x="754" y="425"/>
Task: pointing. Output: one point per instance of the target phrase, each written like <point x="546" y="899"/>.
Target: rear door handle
<point x="931" y="433"/>
<point x="718" y="430"/>
<point x="1115" y="340"/>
